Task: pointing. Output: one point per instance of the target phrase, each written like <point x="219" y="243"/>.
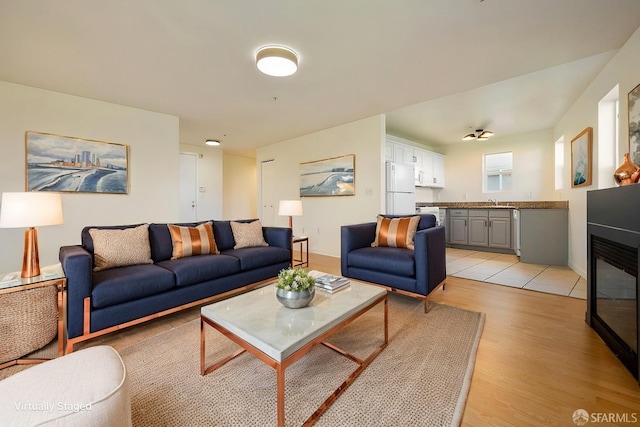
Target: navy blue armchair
<point x="415" y="272"/>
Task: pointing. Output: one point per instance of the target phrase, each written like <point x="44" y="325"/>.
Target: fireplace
<point x="613" y="239"/>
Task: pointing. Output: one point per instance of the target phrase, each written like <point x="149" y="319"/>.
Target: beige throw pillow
<point x="247" y="234"/>
<point x="189" y="241"/>
<point x="120" y="247"/>
<point x="396" y="232"/>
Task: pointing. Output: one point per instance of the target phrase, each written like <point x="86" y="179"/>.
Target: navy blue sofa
<point x="108" y="300"/>
<point x="413" y="272"/>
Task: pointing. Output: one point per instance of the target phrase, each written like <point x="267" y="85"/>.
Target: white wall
<point x="323" y="216"/>
<point x="623" y="70"/>
<point x="153" y="164"/>
<point x="533" y="169"/>
<point x="209" y="175"/>
<point x="240" y="187"/>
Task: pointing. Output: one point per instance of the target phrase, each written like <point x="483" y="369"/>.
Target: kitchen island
<point x="535" y="231"/>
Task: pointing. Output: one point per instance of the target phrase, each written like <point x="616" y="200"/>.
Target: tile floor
<point x="506" y="269"/>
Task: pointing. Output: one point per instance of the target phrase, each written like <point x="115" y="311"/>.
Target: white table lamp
<point x="30" y="210"/>
<point x="290" y="208"/>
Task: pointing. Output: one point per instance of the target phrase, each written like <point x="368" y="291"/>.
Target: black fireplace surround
<point x="613" y="248"/>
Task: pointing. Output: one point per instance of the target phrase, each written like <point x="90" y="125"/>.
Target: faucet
<point x="495" y="202"/>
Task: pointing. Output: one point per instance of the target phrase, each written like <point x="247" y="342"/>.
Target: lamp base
<point x="30" y="260"/>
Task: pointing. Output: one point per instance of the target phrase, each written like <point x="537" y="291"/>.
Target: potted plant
<point x="295" y="287"/>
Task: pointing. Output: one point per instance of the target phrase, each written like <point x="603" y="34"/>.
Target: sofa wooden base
<point x="87" y="334"/>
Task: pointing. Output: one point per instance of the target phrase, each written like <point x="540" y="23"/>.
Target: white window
<point x="609" y="157"/>
<point x="497" y="169"/>
<point x="559" y="163"/>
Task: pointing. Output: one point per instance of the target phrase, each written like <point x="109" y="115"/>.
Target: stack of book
<point x="331" y="283"/>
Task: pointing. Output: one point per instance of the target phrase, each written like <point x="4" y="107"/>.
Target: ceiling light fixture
<point x="479" y="134"/>
<point x="277" y="61"/>
<point x="212" y="142"/>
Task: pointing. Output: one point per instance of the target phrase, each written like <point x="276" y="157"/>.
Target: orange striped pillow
<point x="188" y="241"/>
<point x="396" y="232"/>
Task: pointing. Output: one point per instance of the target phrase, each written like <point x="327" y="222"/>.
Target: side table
<point x="28" y="319"/>
<point x="304" y="255"/>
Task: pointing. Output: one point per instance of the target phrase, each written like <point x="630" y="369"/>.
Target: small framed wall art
<point x="581" y="158"/>
<point x="68" y="164"/>
<point x="634" y="125"/>
<point x="328" y="177"/>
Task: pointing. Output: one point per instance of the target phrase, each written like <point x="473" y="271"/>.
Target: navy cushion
<point x="117" y="285"/>
<point x="223" y="234"/>
<point x="200" y="268"/>
<point x="397" y="261"/>
<point x="260" y="256"/>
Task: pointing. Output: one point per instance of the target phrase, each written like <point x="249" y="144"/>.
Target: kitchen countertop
<point x="564" y="204"/>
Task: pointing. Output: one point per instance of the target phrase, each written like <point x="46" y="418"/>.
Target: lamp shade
<point x="290" y="208"/>
<point x="32" y="209"/>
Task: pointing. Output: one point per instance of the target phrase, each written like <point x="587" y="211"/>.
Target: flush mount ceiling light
<point x="479" y="134"/>
<point x="277" y="61"/>
<point x="212" y="142"/>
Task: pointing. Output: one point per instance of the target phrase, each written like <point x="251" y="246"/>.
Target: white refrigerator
<point x="400" y="189"/>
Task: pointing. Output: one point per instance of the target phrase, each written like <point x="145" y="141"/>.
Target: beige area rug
<point x="421" y="379"/>
<point x="50" y="351"/>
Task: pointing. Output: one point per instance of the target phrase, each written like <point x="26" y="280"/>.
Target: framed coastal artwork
<point x="67" y="164"/>
<point x="634" y="125"/>
<point x="328" y="177"/>
<point x="581" y="158"/>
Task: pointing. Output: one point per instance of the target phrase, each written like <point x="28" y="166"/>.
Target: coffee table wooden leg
<point x="201" y="346"/>
<point x="280" y="381"/>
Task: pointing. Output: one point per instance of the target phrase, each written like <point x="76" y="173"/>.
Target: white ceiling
<point x="507" y="65"/>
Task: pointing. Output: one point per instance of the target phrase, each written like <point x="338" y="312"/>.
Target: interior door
<point x="188" y="187"/>
<point x="267" y="193"/>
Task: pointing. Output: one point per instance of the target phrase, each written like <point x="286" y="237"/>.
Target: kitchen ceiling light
<point x="479" y="134"/>
<point x="277" y="61"/>
<point x="212" y="142"/>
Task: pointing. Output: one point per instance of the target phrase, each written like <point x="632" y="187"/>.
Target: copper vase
<point x="627" y="173"/>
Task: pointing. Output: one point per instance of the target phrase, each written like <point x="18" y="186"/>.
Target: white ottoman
<point x="85" y="388"/>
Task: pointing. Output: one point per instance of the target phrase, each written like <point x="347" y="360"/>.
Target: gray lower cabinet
<point x="478" y="227"/>
<point x="457" y="219"/>
<point x="500" y="229"/>
<point x="487" y="228"/>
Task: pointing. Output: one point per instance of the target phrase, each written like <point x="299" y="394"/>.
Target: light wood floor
<point x="537" y="361"/>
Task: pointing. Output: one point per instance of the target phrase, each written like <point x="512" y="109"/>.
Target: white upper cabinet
<point x="388" y="151"/>
<point x="438" y="170"/>
<point x="429" y="166"/>
<point x="427" y="169"/>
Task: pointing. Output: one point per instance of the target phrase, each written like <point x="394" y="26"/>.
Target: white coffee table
<point x="249" y="320"/>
